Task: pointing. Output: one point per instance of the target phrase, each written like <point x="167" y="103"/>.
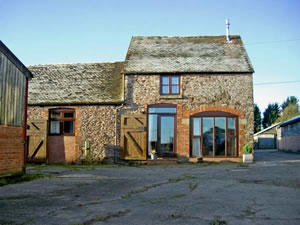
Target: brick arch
<point x="236" y="112"/>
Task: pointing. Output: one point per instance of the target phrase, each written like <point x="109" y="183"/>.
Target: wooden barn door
<point x="134" y="137"/>
<point x="37" y="140"/>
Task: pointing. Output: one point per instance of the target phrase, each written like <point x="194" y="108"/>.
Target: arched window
<point x="61" y="121"/>
<point x="213" y="134"/>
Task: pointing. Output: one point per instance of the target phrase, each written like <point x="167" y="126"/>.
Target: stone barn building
<point x="180" y="97"/>
<point x="196" y="95"/>
<point x="14" y="77"/>
<point x="78" y="105"/>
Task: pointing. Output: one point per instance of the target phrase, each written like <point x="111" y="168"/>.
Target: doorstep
<point x="161" y="161"/>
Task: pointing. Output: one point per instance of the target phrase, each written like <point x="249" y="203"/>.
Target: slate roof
<point x="84" y="83"/>
<point x="199" y="54"/>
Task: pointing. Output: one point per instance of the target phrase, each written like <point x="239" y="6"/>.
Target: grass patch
<point x="181" y="178"/>
<point x="20" y="178"/>
<point x="178" y="196"/>
<point x="105" y="217"/>
<point x="93" y="166"/>
<point x="243" y="165"/>
<point x="193" y="187"/>
<point x="143" y="189"/>
<point x="158" y="201"/>
<point x="20" y="197"/>
<point x="218" y="222"/>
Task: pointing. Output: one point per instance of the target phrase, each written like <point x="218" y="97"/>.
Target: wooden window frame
<point x="214" y="115"/>
<point x="62" y="119"/>
<point x="170" y="85"/>
<point x="159" y="114"/>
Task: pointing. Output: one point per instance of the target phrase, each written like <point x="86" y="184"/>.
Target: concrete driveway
<point x="266" y="192"/>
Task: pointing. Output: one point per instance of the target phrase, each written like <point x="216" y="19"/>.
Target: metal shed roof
<point x="5" y="50"/>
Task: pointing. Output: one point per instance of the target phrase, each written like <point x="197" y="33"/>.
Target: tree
<point x="257" y="119"/>
<point x="289" y="112"/>
<point x="290" y="100"/>
<point x="271" y="114"/>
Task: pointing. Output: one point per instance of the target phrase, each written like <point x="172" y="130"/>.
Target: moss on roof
<point x="83" y="83"/>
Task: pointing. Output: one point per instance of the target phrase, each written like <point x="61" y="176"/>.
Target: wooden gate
<point x="134" y="137"/>
<point x="37" y="140"/>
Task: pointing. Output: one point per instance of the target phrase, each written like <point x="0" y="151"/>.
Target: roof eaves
<point x="74" y="103"/>
<point x="266" y="129"/>
<point x="11" y="56"/>
<point x="290" y="121"/>
<point x="186" y="72"/>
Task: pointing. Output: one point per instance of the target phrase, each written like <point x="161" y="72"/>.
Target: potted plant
<point x="247" y="153"/>
<point x="153" y="155"/>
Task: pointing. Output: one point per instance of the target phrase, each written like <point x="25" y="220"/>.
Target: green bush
<point x="247" y="149"/>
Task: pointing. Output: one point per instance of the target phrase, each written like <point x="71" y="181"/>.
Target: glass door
<point x="162" y="129"/>
<point x="166" y="135"/>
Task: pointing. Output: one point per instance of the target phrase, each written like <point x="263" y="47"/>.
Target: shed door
<point x="134" y="137"/>
<point x="37" y="140"/>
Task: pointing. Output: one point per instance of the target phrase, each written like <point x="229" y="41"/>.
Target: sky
<point x="78" y="31"/>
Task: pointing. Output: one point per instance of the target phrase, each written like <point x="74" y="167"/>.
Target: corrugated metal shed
<point x="13" y="75"/>
<point x="198" y="54"/>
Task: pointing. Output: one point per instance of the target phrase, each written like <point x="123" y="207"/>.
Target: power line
<point x="280" y="82"/>
<point x="272" y="42"/>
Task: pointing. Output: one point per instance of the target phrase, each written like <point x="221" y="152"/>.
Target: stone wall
<point x="198" y="93"/>
<point x="94" y="125"/>
<point x="11" y="150"/>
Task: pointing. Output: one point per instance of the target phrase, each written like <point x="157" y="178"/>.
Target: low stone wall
<point x="94" y="125"/>
<point x="11" y="150"/>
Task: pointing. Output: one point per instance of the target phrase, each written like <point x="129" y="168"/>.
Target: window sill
<point x="170" y="97"/>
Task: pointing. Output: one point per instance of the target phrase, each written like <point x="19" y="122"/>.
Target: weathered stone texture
<point x="199" y="92"/>
<point x="98" y="127"/>
<point x="95" y="124"/>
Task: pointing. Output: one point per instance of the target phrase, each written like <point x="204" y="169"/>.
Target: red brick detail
<point x="183" y="127"/>
<point x="11" y="149"/>
<point x="62" y="149"/>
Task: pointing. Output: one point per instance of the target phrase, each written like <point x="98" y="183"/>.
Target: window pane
<point x="165" y="89"/>
<point x="220" y="136"/>
<point x="165" y="80"/>
<point x="68" y="127"/>
<point x="167" y="134"/>
<point x="68" y="115"/>
<point x="196" y="147"/>
<point x="196" y="126"/>
<point x="231" y="126"/>
<point x="231" y="147"/>
<point x="54" y="127"/>
<point x="208" y="136"/>
<point x="162" y="110"/>
<point x="152" y="133"/>
<point x="175" y="89"/>
<point x="54" y="115"/>
<point x="175" y="80"/>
